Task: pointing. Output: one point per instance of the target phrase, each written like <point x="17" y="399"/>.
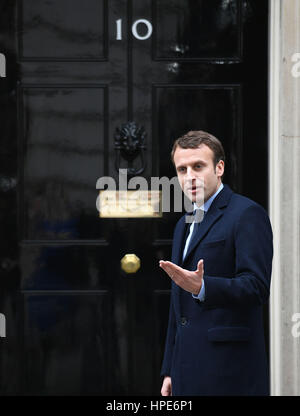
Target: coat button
<point x="183" y="320"/>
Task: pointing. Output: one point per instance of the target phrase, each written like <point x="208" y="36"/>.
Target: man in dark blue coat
<point x="221" y="271"/>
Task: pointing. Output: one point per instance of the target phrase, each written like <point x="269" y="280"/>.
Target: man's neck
<point x="209" y="200"/>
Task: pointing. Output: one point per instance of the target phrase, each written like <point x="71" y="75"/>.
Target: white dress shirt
<point x="205" y="207"/>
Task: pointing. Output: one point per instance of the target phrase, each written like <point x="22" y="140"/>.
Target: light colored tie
<point x="199" y="215"/>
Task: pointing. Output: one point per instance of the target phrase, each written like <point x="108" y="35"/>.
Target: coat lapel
<point x="178" y="241"/>
<point x="215" y="211"/>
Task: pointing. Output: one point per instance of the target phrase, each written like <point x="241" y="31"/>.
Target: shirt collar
<point x="205" y="207"/>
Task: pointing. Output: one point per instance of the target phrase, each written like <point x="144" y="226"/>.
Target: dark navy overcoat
<point x="217" y="347"/>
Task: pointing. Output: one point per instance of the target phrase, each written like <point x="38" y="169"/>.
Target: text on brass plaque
<point x="130" y="204"/>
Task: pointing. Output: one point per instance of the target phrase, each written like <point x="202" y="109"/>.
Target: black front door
<point x="77" y="72"/>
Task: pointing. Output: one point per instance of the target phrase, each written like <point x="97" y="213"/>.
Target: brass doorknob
<point x="130" y="263"/>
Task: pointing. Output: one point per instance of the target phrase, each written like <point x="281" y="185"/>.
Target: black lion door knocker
<point x="129" y="145"/>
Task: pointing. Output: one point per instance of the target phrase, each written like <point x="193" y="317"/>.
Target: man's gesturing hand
<point x="187" y="280"/>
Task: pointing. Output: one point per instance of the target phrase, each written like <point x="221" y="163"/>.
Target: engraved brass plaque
<point x="130" y="204"/>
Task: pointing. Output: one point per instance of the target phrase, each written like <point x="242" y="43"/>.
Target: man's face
<point x="198" y="177"/>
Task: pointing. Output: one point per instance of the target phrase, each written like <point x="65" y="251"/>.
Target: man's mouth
<point x="195" y="189"/>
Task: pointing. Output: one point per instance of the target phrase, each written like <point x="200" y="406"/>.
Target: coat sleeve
<point x="170" y="341"/>
<point x="253" y="264"/>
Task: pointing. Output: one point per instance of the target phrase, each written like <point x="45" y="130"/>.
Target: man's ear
<point x="220" y="168"/>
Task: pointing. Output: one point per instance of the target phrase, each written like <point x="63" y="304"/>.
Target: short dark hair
<point x="193" y="139"/>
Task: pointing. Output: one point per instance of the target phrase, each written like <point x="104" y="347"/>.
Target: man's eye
<point x="181" y="169"/>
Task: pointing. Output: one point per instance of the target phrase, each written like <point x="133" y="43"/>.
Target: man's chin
<point x="196" y="199"/>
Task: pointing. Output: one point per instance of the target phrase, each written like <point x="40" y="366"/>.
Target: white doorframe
<point x="274" y="194"/>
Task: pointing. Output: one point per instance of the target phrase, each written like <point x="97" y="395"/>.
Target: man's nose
<point x="190" y="173"/>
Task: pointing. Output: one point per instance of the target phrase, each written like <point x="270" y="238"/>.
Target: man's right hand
<point x="166" y="389"/>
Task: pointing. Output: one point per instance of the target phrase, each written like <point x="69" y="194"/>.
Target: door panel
<point x="62" y="152"/>
<point x="200" y="105"/>
<point x="76" y="322"/>
<point x="68" y="30"/>
<point x="78" y="360"/>
<point x="202" y="31"/>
